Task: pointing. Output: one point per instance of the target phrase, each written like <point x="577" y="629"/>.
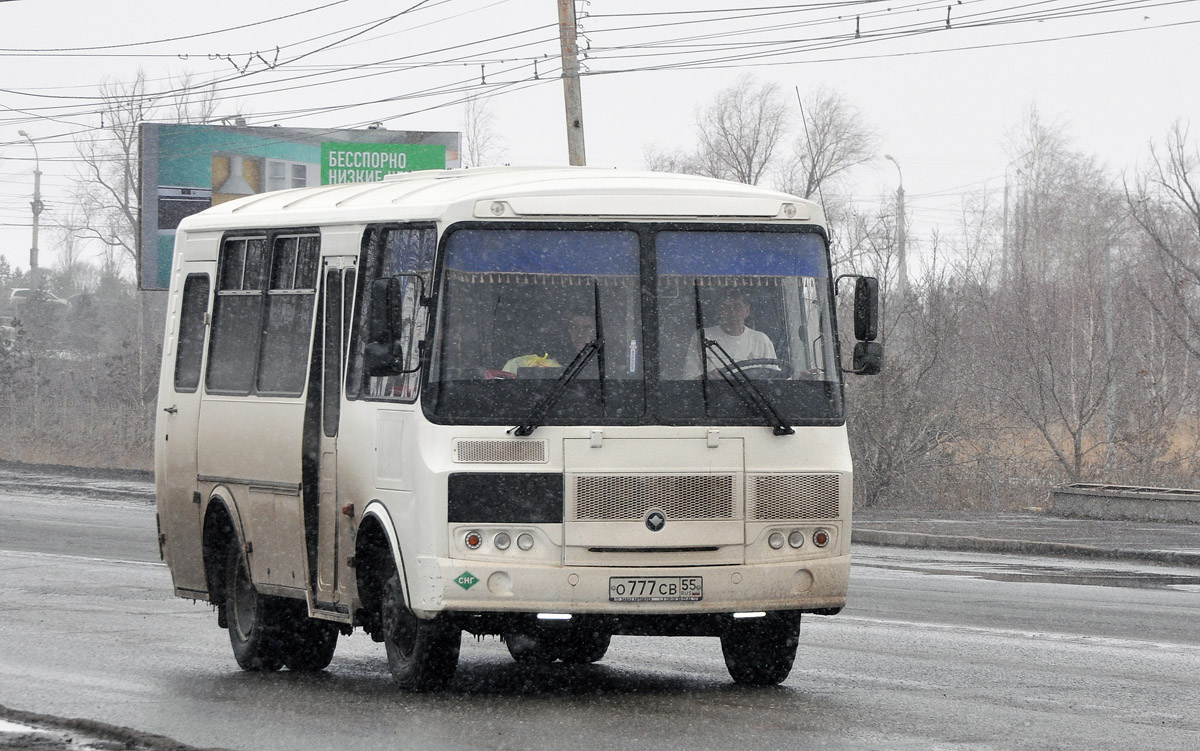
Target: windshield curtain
<point x="518" y="305"/>
<point x="515" y="306"/>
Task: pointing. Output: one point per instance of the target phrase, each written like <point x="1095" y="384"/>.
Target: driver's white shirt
<point x="748" y="345"/>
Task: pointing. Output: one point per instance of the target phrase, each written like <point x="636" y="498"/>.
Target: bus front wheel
<point x="255" y="621"/>
<point x="422" y="654"/>
<point x="760" y="652"/>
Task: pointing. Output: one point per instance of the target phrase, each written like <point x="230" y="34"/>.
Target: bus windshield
<point x="517" y="305"/>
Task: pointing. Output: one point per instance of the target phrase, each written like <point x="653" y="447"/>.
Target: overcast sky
<point x="944" y="100"/>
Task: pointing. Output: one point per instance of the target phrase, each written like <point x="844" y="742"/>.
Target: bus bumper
<point x="454" y="585"/>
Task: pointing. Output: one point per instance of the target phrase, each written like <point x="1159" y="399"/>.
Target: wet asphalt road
<point x="937" y="651"/>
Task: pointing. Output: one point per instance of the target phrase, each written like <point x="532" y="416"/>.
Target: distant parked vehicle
<point x="21" y="297"/>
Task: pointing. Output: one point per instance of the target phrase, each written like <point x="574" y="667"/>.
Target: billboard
<point x="188" y="168"/>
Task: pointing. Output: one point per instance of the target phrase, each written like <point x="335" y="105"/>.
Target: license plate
<point x="656" y="588"/>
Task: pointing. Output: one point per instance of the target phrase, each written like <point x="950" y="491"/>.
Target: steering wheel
<point x="766" y="368"/>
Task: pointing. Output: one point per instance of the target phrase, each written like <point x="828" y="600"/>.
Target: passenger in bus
<point x="731" y="332"/>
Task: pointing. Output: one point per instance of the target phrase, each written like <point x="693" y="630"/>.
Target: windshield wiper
<point x="736" y="377"/>
<point x="594" y="348"/>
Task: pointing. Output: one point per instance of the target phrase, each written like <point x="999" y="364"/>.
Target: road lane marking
<point x="80" y="558"/>
<point x="1011" y="633"/>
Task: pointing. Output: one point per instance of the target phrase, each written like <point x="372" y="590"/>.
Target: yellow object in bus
<point x="531" y="361"/>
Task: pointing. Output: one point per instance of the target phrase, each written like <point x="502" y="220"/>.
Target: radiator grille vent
<point x="496" y="452"/>
<point x="792" y="497"/>
<point x="628" y="497"/>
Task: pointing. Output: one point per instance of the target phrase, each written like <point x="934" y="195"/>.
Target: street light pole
<point x="901" y="232"/>
<point x="34" y="281"/>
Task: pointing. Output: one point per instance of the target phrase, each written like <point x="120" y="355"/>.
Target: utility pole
<point x="570" y="74"/>
<point x="901" y="232"/>
<point x="34" y="282"/>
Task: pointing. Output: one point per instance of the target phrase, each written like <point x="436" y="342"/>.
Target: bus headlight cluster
<point x="796" y="538"/>
<point x="474" y="539"/>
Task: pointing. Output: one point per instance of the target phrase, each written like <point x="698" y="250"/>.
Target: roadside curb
<point x="1026" y="547"/>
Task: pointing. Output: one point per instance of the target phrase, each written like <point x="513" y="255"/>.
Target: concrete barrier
<point x="1092" y="501"/>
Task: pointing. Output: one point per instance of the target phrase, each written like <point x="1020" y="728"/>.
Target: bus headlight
<point x="775" y="540"/>
<point x="524" y="541"/>
<point x="502" y="541"/>
<point x="796" y="539"/>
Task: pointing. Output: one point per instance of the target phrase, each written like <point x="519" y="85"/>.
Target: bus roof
<point x="508" y="193"/>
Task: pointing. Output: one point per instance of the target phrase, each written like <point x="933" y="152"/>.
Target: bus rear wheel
<point x="255" y="621"/>
<point x="310" y="642"/>
<point x="422" y="654"/>
<point x="760" y="652"/>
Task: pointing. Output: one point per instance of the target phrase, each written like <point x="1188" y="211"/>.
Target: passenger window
<point x="190" y="351"/>
<point x="287" y="325"/>
<point x="237" y="314"/>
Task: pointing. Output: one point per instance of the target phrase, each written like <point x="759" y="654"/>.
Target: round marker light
<point x="502" y="541"/>
<point x="821" y="538"/>
<point x="525" y="541"/>
<point x="796" y="539"/>
<point x="473" y="540"/>
<point x="775" y="540"/>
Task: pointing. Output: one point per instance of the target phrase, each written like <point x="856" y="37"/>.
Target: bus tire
<point x="422" y="654"/>
<point x="583" y="648"/>
<point x="311" y="643"/>
<point x="761" y="652"/>
<point x="255" y="621"/>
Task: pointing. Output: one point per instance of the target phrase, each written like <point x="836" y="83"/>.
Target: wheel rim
<point x="245" y="603"/>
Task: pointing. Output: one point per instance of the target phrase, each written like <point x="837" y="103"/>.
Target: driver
<point x="735" y="337"/>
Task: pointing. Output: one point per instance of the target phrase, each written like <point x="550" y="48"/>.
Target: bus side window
<point x="237" y="315"/>
<point x="288" y="315"/>
<point x="191" y="333"/>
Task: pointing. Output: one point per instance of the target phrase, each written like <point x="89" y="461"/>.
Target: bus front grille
<point x="499" y="451"/>
<point x="779" y="497"/>
<point x="629" y="497"/>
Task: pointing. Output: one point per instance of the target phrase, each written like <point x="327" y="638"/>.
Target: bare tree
<point x="109" y="180"/>
<point x="1165" y="205"/>
<point x="71" y="272"/>
<point x="740" y="133"/>
<point x="483" y="145"/>
<point x="835" y="138"/>
<point x="740" y="129"/>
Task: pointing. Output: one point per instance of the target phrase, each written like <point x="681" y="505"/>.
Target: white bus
<point x="548" y="404"/>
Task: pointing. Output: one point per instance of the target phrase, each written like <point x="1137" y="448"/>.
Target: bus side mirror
<point x="866" y="310"/>
<point x="383" y="355"/>
<point x="868" y="358"/>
